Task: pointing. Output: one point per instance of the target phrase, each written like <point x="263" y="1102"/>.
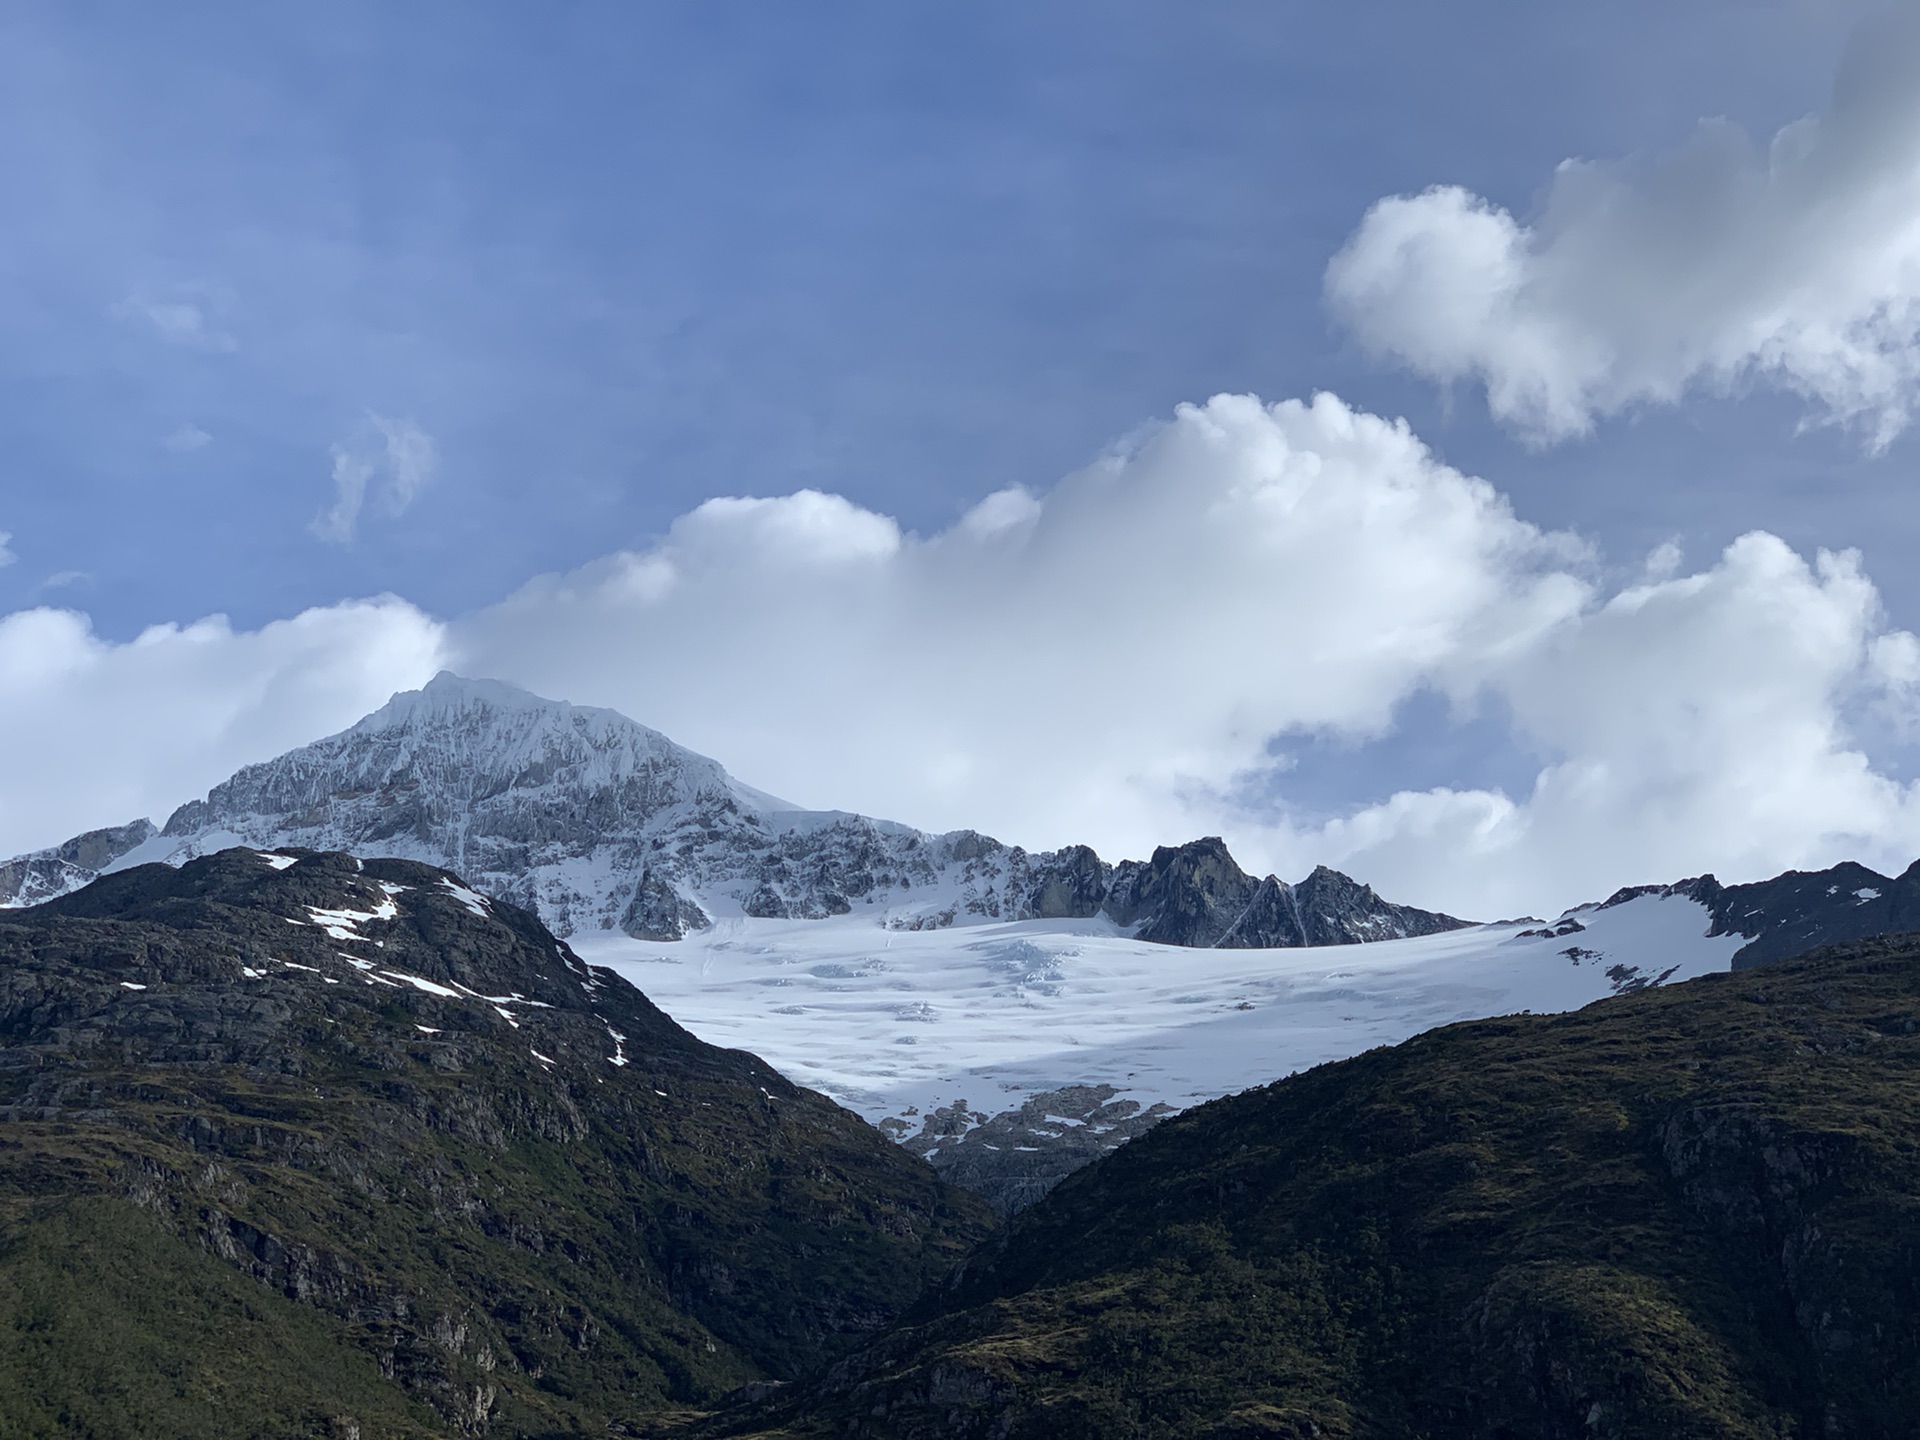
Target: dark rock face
<point x="1185" y="895"/>
<point x="1195" y="895"/>
<point x="407" y="1109"/>
<point x="1014" y="1158"/>
<point x="659" y="912"/>
<point x="1072" y="887"/>
<point x="1335" y="910"/>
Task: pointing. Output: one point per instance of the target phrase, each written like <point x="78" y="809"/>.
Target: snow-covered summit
<point x="428" y="757"/>
<point x="503" y="726"/>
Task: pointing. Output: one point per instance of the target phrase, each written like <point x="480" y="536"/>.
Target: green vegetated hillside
<point x="317" y="1148"/>
<point x="1690" y="1212"/>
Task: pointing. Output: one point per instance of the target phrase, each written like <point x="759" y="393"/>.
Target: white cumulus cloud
<point x="1720" y="263"/>
<point x="103" y="732"/>
<point x="1097" y="665"/>
<point x="1108" y="663"/>
<point x="1688" y="724"/>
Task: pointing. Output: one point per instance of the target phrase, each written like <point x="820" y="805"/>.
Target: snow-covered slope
<point x="601" y="824"/>
<point x="900" y="1025"/>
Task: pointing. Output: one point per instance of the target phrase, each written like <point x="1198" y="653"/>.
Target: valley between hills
<point x="499" y="1067"/>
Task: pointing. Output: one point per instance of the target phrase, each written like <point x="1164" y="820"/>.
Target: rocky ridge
<point x="43" y="874"/>
<point x="598" y="823"/>
<point x="1788" y="915"/>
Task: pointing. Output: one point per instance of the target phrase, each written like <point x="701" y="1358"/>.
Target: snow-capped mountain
<point x="602" y="825"/>
<point x="1010" y="1014"/>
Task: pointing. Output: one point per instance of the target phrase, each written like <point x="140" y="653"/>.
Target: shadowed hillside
<point x="1689" y="1212"/>
<point x="296" y="1145"/>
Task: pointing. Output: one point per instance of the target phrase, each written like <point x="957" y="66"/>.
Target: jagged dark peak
<point x="1336" y="909"/>
<point x="1187" y="894"/>
<point x="1073" y="888"/>
<point x="1801" y="909"/>
<point x="1795" y="911"/>
<point x="1197" y="895"/>
<point x="1699" y="887"/>
<point x="1272" y="919"/>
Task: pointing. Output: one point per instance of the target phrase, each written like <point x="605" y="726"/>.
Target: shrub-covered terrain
<point x="301" y="1146"/>
<point x="1688" y="1212"/>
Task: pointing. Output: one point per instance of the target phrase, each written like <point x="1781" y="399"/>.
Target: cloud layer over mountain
<point x="1112" y="663"/>
<point x="99" y="733"/>
<point x="1719" y="263"/>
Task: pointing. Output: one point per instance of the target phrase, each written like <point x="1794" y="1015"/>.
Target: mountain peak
<point x="596" y="822"/>
<point x="448" y="697"/>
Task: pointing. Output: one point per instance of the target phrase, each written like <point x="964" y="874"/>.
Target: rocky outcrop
<point x="659" y="912"/>
<point x="1194" y="894"/>
<point x="29" y="879"/>
<point x="1014" y="1158"/>
<point x="1793" y="913"/>
<point x="1073" y="886"/>
<point x="1336" y="910"/>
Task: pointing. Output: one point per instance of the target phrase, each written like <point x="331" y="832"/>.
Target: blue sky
<point x="617" y="258"/>
<point x="603" y="262"/>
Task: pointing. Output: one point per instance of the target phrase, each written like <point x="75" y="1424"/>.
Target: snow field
<point x="895" y="1023"/>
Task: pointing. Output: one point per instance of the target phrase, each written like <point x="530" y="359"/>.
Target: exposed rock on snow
<point x="1797" y="911"/>
<point x="1195" y="895"/>
<point x="1013" y="1158"/>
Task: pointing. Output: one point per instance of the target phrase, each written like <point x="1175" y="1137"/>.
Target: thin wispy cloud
<point x="389" y="472"/>
<point x="178" y="322"/>
<point x="7" y="557"/>
<point x="188" y="438"/>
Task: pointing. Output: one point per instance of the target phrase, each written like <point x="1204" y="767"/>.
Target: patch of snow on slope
<point x="472" y="899"/>
<point x="340" y="924"/>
